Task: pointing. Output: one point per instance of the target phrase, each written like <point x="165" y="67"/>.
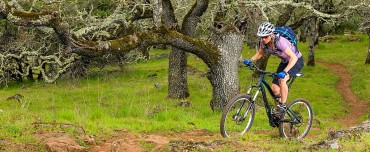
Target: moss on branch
<point x="30" y="16"/>
<point x="204" y="50"/>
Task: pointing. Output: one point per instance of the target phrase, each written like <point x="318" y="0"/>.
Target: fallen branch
<point x="62" y="125"/>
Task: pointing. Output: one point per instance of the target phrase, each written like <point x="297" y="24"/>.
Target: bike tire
<point x="234" y="124"/>
<point x="294" y="128"/>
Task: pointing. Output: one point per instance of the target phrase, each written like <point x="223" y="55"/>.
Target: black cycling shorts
<point x="295" y="69"/>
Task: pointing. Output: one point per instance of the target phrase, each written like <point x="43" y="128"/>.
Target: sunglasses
<point x="265" y="37"/>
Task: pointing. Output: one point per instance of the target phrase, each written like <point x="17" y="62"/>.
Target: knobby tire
<point x="297" y="129"/>
<point x="233" y="124"/>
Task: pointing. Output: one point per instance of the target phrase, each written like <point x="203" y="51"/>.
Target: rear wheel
<point x="297" y="121"/>
<point x="237" y="116"/>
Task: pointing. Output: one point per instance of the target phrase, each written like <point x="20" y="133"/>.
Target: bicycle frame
<point x="262" y="85"/>
<point x="238" y="115"/>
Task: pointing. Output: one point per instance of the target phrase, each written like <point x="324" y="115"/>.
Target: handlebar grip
<point x="247" y="62"/>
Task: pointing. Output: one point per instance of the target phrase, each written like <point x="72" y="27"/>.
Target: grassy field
<point x="112" y="99"/>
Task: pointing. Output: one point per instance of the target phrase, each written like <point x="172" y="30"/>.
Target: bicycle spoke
<point x="237" y="117"/>
<point x="297" y="121"/>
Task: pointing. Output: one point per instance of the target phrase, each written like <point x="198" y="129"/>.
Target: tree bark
<point x="313" y="36"/>
<point x="177" y="77"/>
<point x="303" y="34"/>
<point x="284" y="18"/>
<point x="157" y="13"/>
<point x="177" y="72"/>
<point x="224" y="75"/>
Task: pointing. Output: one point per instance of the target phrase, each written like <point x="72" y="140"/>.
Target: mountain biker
<point x="291" y="61"/>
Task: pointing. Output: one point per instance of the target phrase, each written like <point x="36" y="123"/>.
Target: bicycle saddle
<point x="299" y="74"/>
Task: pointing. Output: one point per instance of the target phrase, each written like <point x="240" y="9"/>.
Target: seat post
<point x="291" y="82"/>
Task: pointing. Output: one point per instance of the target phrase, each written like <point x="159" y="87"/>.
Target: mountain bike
<point x="238" y="115"/>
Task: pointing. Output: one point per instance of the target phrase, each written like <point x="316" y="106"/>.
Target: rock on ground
<point x="62" y="144"/>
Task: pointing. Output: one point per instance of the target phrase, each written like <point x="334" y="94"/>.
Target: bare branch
<point x="36" y="61"/>
<point x="309" y="8"/>
<point x="118" y="21"/>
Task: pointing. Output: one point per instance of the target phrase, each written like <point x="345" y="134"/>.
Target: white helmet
<point x="265" y="29"/>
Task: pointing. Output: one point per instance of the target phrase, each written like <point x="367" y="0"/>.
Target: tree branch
<point x="118" y="21"/>
<point x="264" y="4"/>
<point x="192" y="18"/>
<point x="36" y="61"/>
<point x="162" y="35"/>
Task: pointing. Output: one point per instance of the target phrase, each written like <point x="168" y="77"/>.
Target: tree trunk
<point x="304" y="31"/>
<point x="177" y="74"/>
<point x="145" y="53"/>
<point x="157" y="13"/>
<point x="18" y="76"/>
<point x="30" y="73"/>
<point x="313" y="36"/>
<point x="224" y="75"/>
<point x="177" y="77"/>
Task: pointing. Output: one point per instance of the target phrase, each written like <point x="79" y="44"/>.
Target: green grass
<point x="351" y="54"/>
<point x="112" y="100"/>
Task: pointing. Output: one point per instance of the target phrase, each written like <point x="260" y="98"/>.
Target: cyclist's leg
<point x="283" y="89"/>
<point x="276" y="90"/>
<point x="275" y="82"/>
<point x="283" y="82"/>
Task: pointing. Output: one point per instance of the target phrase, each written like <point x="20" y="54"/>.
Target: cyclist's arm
<point x="293" y="59"/>
<point x="258" y="55"/>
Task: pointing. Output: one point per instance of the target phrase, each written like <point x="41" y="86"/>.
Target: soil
<point x="127" y="141"/>
<point x="357" y="108"/>
<point x="193" y="140"/>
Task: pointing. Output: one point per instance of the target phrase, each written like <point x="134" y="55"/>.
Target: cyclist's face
<point x="266" y="39"/>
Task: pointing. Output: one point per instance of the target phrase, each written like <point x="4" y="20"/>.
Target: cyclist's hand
<point x="282" y="75"/>
<point x="248" y="62"/>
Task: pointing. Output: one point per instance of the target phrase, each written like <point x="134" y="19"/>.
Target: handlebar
<point x="254" y="67"/>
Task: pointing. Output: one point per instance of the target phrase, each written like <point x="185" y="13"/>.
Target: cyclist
<point x="291" y="61"/>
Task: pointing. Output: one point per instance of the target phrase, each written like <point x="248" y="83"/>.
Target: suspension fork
<point x="250" y="99"/>
<point x="242" y="105"/>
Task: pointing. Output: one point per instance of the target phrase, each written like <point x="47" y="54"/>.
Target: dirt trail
<point x="127" y="141"/>
<point x="357" y="108"/>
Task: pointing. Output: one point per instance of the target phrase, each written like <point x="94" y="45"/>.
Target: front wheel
<point x="297" y="121"/>
<point x="237" y="116"/>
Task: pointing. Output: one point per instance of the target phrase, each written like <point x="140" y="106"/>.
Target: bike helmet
<point x="265" y="29"/>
